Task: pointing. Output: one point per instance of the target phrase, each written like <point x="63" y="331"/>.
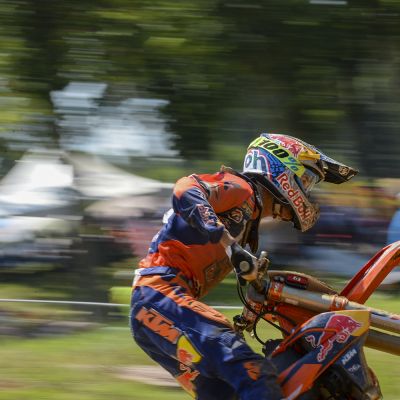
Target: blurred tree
<point x="38" y="65"/>
<point x="325" y="71"/>
<point x="174" y="51"/>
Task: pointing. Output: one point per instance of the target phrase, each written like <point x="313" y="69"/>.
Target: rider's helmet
<point x="289" y="168"/>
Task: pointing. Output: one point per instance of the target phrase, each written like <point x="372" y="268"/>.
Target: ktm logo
<point x="158" y="324"/>
<point x="206" y="214"/>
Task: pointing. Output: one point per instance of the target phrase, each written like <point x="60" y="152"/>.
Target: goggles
<point x="277" y="212"/>
<point x="307" y="181"/>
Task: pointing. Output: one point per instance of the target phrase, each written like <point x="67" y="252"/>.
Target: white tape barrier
<point x="93" y="303"/>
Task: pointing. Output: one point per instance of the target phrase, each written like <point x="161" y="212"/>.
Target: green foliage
<point x="228" y="70"/>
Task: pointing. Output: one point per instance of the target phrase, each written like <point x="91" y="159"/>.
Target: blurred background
<point x="104" y="105"/>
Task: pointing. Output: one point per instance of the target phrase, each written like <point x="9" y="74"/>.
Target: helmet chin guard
<point x="289" y="169"/>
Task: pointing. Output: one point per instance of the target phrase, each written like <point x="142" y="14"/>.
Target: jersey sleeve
<point x="190" y="201"/>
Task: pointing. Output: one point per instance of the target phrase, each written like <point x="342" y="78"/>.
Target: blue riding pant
<point x="195" y="343"/>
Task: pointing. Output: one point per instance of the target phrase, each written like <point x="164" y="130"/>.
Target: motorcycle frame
<point x="302" y="304"/>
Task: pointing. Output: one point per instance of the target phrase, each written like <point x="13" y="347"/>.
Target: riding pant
<point x="195" y="343"/>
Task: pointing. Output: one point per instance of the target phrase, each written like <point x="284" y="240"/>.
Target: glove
<point x="245" y="264"/>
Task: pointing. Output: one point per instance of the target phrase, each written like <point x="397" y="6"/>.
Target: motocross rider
<point x="211" y="215"/>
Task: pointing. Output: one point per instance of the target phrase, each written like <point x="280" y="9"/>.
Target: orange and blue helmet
<point x="289" y="168"/>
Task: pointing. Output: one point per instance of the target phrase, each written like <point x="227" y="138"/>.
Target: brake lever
<point x="260" y="284"/>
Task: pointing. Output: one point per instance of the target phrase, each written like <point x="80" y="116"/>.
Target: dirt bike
<point x="321" y="354"/>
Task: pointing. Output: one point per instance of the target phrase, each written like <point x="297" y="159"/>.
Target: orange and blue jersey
<point x="191" y="340"/>
<point x="203" y="205"/>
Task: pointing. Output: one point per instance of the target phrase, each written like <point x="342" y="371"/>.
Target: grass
<point x="80" y="366"/>
<point x="83" y="365"/>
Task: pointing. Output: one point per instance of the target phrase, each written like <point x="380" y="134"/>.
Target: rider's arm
<point x="191" y="203"/>
<point x="198" y="199"/>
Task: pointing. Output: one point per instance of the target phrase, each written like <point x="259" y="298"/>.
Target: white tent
<point x="50" y="180"/>
<point x="97" y="178"/>
<point x="39" y="181"/>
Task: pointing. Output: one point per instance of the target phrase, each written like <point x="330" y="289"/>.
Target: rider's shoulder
<point x="228" y="179"/>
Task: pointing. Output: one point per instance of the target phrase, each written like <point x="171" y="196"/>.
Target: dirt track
<point x="149" y="374"/>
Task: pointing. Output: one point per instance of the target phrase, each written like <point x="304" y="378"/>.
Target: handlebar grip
<point x="244" y="263"/>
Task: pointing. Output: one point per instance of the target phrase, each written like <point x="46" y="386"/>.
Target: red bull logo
<point x="186" y="379"/>
<point x="338" y="329"/>
<point x="184" y="356"/>
<point x="291" y="144"/>
<point x="186" y="353"/>
<point x="295" y="195"/>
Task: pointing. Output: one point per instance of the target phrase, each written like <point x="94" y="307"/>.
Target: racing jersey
<point x="203" y="205"/>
